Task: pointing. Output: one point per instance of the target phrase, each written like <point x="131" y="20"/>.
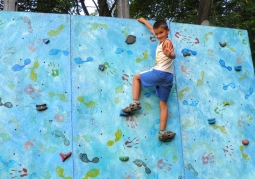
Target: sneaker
<point x="166" y="137"/>
<point x="135" y="106"/>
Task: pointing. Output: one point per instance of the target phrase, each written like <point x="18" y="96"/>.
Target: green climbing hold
<point x="124" y="158"/>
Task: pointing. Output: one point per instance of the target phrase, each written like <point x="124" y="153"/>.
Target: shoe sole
<point x="132" y="110"/>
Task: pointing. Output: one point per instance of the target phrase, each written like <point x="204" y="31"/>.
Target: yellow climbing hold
<point x="225" y="103"/>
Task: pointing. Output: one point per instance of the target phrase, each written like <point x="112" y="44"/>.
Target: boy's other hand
<point x="168" y="49"/>
<point x="142" y="20"/>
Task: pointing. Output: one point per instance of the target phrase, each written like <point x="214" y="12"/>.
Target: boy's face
<point x="161" y="33"/>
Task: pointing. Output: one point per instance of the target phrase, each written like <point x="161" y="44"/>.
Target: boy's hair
<point x="160" y="23"/>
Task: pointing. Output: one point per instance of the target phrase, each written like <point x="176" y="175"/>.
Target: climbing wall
<point x="54" y="60"/>
<point x="33" y="73"/>
<point x="215" y="82"/>
<point x="100" y="135"/>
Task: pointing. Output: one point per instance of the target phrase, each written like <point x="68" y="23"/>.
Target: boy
<point x="160" y="76"/>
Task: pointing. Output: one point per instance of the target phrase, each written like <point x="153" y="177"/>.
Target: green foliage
<point x="47" y="6"/>
<point x="224" y="13"/>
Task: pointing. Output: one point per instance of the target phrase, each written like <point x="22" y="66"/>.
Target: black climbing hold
<point x="186" y="54"/>
<point x="46" y="41"/>
<point x="130" y="39"/>
<point x="41" y="107"/>
<point x="223" y="44"/>
<point x="101" y="67"/>
<point x="238" y="68"/>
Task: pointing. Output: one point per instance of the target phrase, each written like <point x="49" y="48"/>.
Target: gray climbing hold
<point x="41" y="107"/>
<point x="186" y="54"/>
<point x="46" y="41"/>
<point x="101" y="67"/>
<point x="223" y="44"/>
<point x="130" y="39"/>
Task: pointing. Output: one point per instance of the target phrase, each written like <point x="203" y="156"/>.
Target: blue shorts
<point x="163" y="82"/>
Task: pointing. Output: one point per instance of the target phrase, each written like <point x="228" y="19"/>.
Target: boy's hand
<point x="142" y="20"/>
<point x="147" y="24"/>
<point x="168" y="49"/>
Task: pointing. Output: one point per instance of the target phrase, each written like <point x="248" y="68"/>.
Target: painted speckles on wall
<point x="55" y="32"/>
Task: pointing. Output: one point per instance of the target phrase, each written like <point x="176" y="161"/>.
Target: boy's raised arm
<point x="147" y="24"/>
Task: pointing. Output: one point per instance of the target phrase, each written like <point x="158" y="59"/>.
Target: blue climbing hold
<point x="211" y="120"/>
<point x="238" y="68"/>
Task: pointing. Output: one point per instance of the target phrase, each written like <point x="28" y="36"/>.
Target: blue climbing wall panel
<point x="100" y="135"/>
<point x="84" y="103"/>
<point x="209" y="87"/>
<point x="32" y="73"/>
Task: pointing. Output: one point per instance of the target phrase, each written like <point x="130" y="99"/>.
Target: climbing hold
<point x="65" y="156"/>
<point x="41" y="107"/>
<point x="245" y="142"/>
<point x="223" y="44"/>
<point x="238" y="68"/>
<point x="225" y="103"/>
<point x="46" y="41"/>
<point x="101" y="67"/>
<point x="124" y="158"/>
<point x="130" y="39"/>
<point x="211" y="121"/>
<point x="186" y="54"/>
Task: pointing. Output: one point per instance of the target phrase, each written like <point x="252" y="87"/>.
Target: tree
<point x="122" y="8"/>
<point x="47" y="6"/>
<point x="10" y="5"/>
<point x="204" y="10"/>
<point x="222" y="13"/>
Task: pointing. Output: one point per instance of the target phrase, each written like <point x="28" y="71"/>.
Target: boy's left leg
<point x="164" y="135"/>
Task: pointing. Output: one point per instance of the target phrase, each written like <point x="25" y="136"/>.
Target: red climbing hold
<point x="65" y="156"/>
<point x="245" y="142"/>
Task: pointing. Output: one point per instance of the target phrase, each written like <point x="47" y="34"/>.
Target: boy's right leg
<point x="136" y="86"/>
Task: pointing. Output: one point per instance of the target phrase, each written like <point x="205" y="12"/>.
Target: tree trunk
<point x="103" y="8"/>
<point x="10" y="5"/>
<point x="123" y="9"/>
<point x="204" y="10"/>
